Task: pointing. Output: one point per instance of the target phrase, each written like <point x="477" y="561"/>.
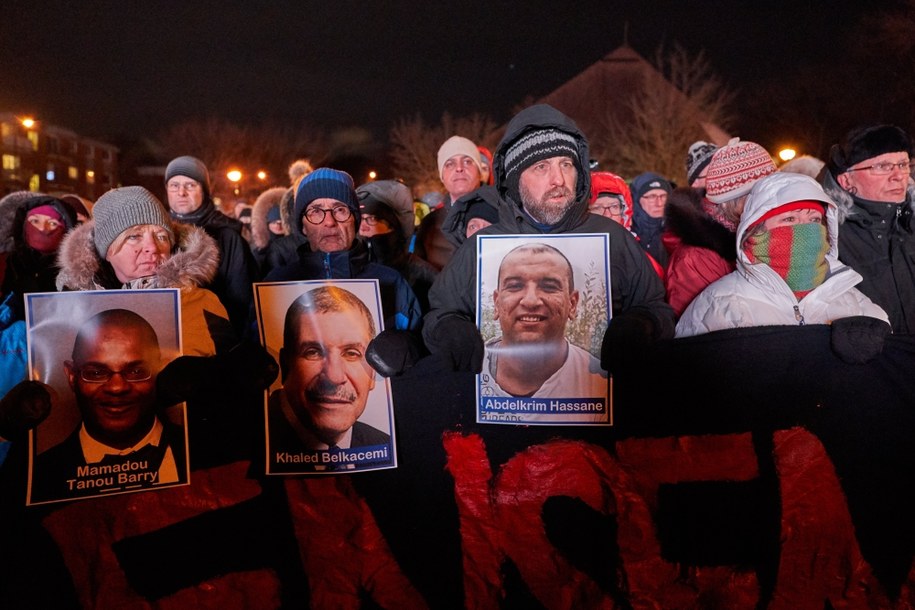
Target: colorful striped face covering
<point x="797" y="253"/>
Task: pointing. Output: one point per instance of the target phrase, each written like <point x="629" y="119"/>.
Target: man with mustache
<point x="326" y="379"/>
<point x="543" y="182"/>
<point x="534" y="300"/>
<point x="122" y="444"/>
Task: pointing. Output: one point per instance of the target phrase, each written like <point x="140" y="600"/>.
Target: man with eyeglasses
<point x="121" y="443"/>
<point x="649" y="195"/>
<point x="327" y="212"/>
<point x="187" y="184"/>
<point x="869" y="177"/>
<point x="387" y="227"/>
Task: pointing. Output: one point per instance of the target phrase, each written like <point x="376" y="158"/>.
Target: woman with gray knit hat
<point x="131" y="243"/>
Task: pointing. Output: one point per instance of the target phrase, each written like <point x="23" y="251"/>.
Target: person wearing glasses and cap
<point x="869" y="176"/>
<point x="190" y="202"/>
<point x="121" y="442"/>
<point x="327" y="211"/>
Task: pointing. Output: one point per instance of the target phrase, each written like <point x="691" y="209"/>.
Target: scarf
<point x="797" y="253"/>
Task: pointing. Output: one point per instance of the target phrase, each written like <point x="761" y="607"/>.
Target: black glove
<point x="393" y="352"/>
<point x="627" y="340"/>
<point x="858" y="339"/>
<point x="26" y="405"/>
<point x="246" y="367"/>
<point x="459" y="342"/>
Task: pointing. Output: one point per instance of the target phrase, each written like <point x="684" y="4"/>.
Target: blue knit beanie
<point x="326" y="183"/>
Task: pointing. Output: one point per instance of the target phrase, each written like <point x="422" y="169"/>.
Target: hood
<point x="13" y="210"/>
<point x="395" y="195"/>
<point x="194" y="261"/>
<point x="271" y="198"/>
<point x="608" y="182"/>
<point x="686" y="220"/>
<point x="543" y="116"/>
<point x="455" y="224"/>
<point x="778" y="189"/>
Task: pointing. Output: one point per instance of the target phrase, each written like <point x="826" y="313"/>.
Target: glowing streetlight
<point x="262" y="175"/>
<point x="234" y="177"/>
<point x="27" y="122"/>
<point x="786" y="154"/>
<point x="372" y="175"/>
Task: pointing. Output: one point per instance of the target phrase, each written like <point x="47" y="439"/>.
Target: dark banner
<point x="748" y="468"/>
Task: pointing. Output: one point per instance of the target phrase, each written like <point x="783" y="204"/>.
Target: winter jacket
<point x="431" y="243"/>
<point x="455" y="225"/>
<point x="22" y="270"/>
<point x="237" y="268"/>
<point x="205" y="327"/>
<point x="700" y="249"/>
<point x="399" y="304"/>
<point x="390" y="249"/>
<point x="633" y="282"/>
<point x="877" y="240"/>
<point x="755" y="295"/>
<point x="261" y="236"/>
<point x="282" y="251"/>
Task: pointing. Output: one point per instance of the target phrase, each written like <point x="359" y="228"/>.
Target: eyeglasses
<point x="316" y="216"/>
<point x="371" y="220"/>
<point x="190" y="187"/>
<point x="655" y="197"/>
<point x="613" y="208"/>
<point x="98" y="374"/>
<point x="883" y="169"/>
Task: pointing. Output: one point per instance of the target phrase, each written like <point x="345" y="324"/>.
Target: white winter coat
<point x="755" y="295"/>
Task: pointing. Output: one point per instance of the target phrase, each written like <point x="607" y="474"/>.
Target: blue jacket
<point x="398" y="302"/>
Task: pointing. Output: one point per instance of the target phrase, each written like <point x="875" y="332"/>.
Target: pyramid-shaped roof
<point x="590" y="96"/>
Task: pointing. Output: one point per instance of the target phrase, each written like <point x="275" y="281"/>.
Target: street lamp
<point x="786" y="154"/>
<point x="234" y="177"/>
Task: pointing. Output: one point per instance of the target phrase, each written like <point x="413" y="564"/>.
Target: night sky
<point x="110" y="69"/>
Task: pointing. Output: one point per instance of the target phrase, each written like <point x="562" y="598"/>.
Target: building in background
<point x="38" y="156"/>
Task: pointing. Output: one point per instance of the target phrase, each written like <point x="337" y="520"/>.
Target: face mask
<point x="43" y="242"/>
<point x="797" y="253"/>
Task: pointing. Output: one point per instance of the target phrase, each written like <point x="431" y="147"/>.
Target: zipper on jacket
<point x="799" y="316"/>
<point x="327" y="273"/>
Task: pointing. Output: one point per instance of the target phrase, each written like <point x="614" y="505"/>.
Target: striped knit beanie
<point x="122" y="208"/>
<point x="734" y="168"/>
<point x="534" y="146"/>
<point x="326" y="183"/>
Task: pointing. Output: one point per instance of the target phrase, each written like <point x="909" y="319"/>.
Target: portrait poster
<point x="100" y="352"/>
<point x="329" y="412"/>
<point x="543" y="305"/>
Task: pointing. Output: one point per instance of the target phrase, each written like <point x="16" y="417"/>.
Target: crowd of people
<point x="744" y="243"/>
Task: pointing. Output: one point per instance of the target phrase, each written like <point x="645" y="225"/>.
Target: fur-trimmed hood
<point x="13" y="210"/>
<point x="686" y="220"/>
<point x="193" y="262"/>
<point x="269" y="199"/>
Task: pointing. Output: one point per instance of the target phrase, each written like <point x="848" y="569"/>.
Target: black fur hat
<point x="866" y="143"/>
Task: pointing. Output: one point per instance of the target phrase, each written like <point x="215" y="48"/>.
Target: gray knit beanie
<point x="192" y="167"/>
<point x="122" y="208"/>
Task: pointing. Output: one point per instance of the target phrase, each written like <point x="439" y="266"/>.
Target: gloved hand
<point x="246" y="367"/>
<point x="627" y="340"/>
<point x="26" y="405"/>
<point x="393" y="352"/>
<point x="858" y="339"/>
<point x="458" y="340"/>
